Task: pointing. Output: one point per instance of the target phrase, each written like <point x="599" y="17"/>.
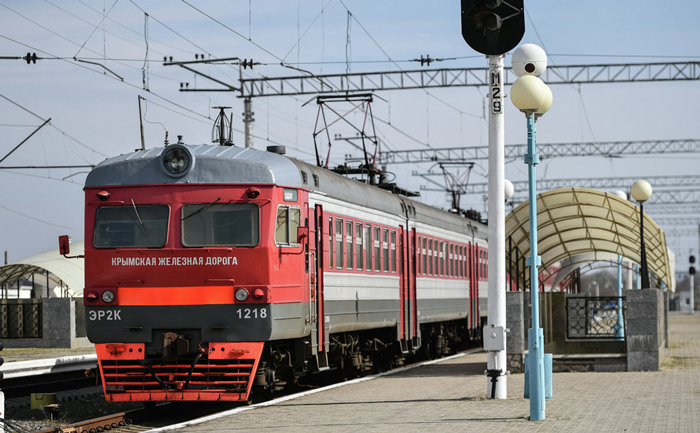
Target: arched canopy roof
<point x="70" y="271"/>
<point x="576" y="221"/>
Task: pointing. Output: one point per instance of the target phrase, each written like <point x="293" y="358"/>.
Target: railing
<point x="594" y="317"/>
<point x="21" y="318"/>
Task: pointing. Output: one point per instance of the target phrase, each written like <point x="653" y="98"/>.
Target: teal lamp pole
<point x="533" y="97"/>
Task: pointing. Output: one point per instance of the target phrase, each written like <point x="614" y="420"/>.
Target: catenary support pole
<point x="692" y="294"/>
<point x="535" y="334"/>
<point x="248" y="121"/>
<point x="496" y="360"/>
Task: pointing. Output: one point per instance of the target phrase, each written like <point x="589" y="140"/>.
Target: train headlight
<point x="241" y="295"/>
<point x="177" y="160"/>
<point x="108" y="296"/>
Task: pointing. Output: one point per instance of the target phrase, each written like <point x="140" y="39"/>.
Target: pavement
<point x="449" y="396"/>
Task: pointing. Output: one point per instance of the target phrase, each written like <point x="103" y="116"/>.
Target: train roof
<point x="228" y="164"/>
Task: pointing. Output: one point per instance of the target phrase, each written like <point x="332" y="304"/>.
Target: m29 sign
<point x="496" y="89"/>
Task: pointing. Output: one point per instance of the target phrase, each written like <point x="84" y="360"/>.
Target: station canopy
<point x="71" y="272"/>
<point x="576" y="223"/>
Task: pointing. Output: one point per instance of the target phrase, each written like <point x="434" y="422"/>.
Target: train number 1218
<point x="252" y="313"/>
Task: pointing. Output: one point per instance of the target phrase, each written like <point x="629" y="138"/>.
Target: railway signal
<point x="691" y="271"/>
<point x="493" y="27"/>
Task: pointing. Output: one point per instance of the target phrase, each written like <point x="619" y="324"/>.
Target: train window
<point x="436" y="257"/>
<point x="460" y="263"/>
<point x="486" y="264"/>
<point x="368" y="246"/>
<point x="227" y="224"/>
<point x="417" y="256"/>
<point x="339" y="242"/>
<point x="481" y="264"/>
<point x="131" y="226"/>
<point x="482" y="271"/>
<point x="286" y="225"/>
<point x="466" y="262"/>
<point x="291" y="195"/>
<point x="452" y="260"/>
<point x="330" y="242"/>
<point x="441" y="259"/>
<point x="424" y="253"/>
<point x="358" y="246"/>
<point x="430" y="257"/>
<point x="393" y="251"/>
<point x="385" y="244"/>
<point x="457" y="261"/>
<point x="377" y="249"/>
<point x="349" y="244"/>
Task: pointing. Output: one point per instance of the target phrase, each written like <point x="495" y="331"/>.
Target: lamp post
<point x="641" y="191"/>
<point x="531" y="96"/>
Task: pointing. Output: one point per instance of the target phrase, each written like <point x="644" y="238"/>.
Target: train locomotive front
<point x="183" y="252"/>
<point x="214" y="270"/>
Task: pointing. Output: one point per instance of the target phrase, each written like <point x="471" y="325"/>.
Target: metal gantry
<point x="595" y="183"/>
<point x="671" y="221"/>
<point x="678" y="209"/>
<point x="660" y="197"/>
<point x="548" y="150"/>
<point x="461" y="77"/>
<point x="678" y="233"/>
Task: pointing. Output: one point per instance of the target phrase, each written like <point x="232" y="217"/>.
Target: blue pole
<point x="620" y="326"/>
<point x="535" y="335"/>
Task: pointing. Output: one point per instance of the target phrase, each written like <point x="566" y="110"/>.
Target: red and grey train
<point x="213" y="270"/>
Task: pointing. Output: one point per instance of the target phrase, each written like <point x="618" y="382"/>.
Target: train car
<point x="213" y="270"/>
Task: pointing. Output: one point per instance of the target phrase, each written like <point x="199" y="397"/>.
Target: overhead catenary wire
<point x="105" y="31"/>
<point x="387" y="54"/>
<point x="76" y="43"/>
<point x="96" y="27"/>
<point x="124" y="27"/>
<point x="51" y="125"/>
<point x="39" y="220"/>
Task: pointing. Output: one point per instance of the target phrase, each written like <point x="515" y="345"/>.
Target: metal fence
<point x="21" y="318"/>
<point x="590" y="317"/>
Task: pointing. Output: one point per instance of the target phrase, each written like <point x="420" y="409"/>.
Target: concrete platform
<point x="449" y="396"/>
<point x="27" y="354"/>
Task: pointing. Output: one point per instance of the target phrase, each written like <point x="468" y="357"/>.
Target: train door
<point x="413" y="298"/>
<point x="315" y="265"/>
<point x="404" y="312"/>
<point x="472" y="285"/>
<point x="408" y="315"/>
<point x="475" y="293"/>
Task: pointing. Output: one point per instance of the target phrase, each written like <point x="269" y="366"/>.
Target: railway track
<point x="141" y="420"/>
<point x="118" y="422"/>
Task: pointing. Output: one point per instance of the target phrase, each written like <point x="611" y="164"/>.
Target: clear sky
<point x="94" y="114"/>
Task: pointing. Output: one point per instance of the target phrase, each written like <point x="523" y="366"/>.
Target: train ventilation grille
<point x="217" y="375"/>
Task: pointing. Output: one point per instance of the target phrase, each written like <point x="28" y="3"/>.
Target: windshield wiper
<point x="201" y="209"/>
<point x="143" y="226"/>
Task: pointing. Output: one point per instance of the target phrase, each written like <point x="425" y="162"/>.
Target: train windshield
<point x="131" y="226"/>
<point x="220" y="224"/>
